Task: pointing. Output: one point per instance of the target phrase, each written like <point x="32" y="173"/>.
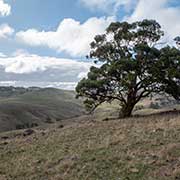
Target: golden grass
<point x="139" y="148"/>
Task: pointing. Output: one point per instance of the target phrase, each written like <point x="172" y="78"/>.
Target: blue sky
<point x="46" y="16"/>
<point x="50" y="39"/>
<point x="42" y="16"/>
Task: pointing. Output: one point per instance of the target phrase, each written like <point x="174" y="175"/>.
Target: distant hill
<point x="28" y="107"/>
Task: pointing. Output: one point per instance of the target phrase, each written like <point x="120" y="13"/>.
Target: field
<point x="87" y="148"/>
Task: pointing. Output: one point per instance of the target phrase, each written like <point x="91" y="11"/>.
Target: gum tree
<point x="126" y="58"/>
<point x="168" y="70"/>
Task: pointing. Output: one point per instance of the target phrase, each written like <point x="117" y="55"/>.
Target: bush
<point x="138" y="107"/>
<point x="154" y="105"/>
<point x="48" y="120"/>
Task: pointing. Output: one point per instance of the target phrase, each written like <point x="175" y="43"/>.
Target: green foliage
<point x="130" y="66"/>
<point x="168" y="71"/>
<point x="138" y="107"/>
<point x="177" y="39"/>
<point x="154" y="105"/>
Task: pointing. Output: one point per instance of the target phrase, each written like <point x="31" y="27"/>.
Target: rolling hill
<point x="28" y="107"/>
<point x="22" y="108"/>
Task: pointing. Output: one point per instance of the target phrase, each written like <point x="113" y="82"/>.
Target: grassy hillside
<point x="29" y="107"/>
<point x="141" y="148"/>
<point x="24" y="108"/>
<point x="148" y="105"/>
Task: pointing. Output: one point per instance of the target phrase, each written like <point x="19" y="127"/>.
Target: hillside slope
<point x="29" y="107"/>
<point x="141" y="148"/>
<point x="24" y="108"/>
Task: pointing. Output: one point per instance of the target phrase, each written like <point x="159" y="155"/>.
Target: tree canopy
<point x="129" y="66"/>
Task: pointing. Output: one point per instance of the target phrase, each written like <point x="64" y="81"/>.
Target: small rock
<point x="105" y="119"/>
<point x="4" y="143"/>
<point x="158" y="130"/>
<point x="43" y="133"/>
<point x="28" y="132"/>
<point x="61" y="126"/>
<point x="4" y="137"/>
<point x="134" y="170"/>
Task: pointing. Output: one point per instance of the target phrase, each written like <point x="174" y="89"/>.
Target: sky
<point x="44" y="43"/>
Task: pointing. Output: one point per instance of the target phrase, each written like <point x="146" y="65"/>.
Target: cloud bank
<point x="23" y="69"/>
<point x="30" y="63"/>
<point x="71" y="36"/>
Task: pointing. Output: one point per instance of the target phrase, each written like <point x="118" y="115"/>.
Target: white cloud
<point x="109" y="6"/>
<point x="5" y="31"/>
<point x="5" y="9"/>
<point x="161" y="11"/>
<point x="71" y="36"/>
<point x="23" y="69"/>
<point x="30" y="63"/>
<point x="74" y="37"/>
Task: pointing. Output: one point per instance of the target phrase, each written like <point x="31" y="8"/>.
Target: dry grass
<point x="141" y="148"/>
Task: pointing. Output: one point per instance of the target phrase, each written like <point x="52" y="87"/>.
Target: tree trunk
<point x="126" y="110"/>
<point x="128" y="107"/>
